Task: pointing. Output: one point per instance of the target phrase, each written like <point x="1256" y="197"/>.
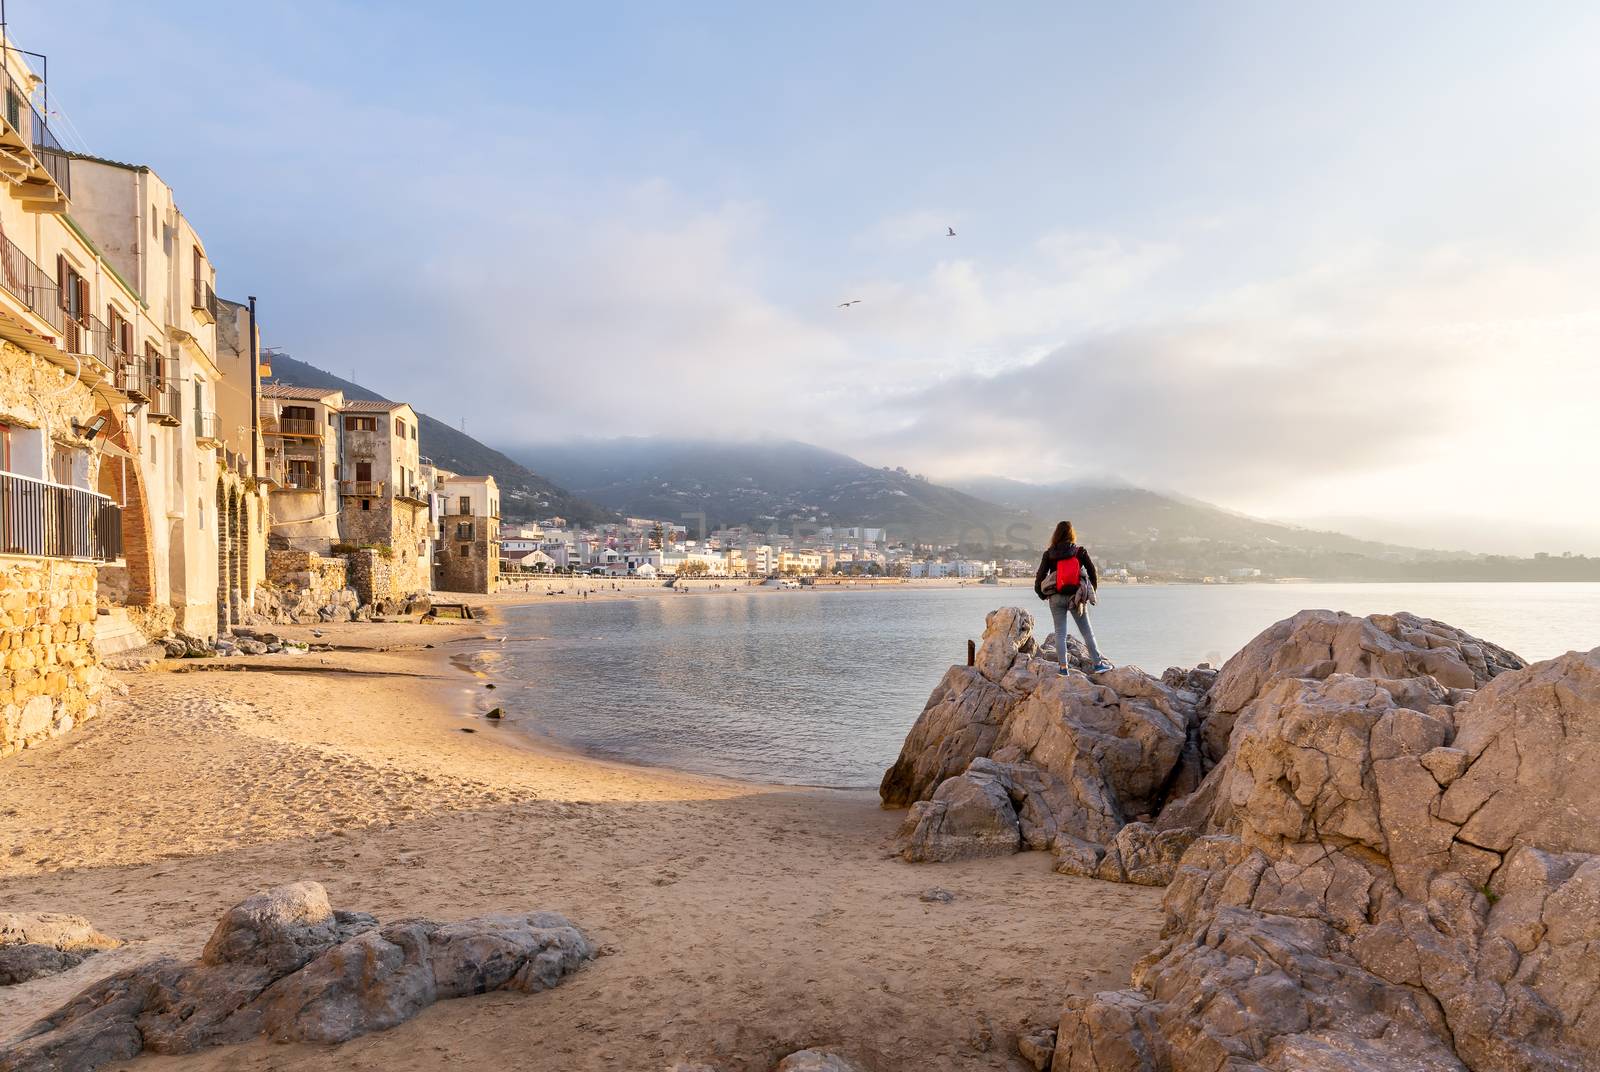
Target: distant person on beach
<point x="1067" y="578"/>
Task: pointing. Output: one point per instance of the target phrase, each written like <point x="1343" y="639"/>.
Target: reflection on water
<point x="820" y="687"/>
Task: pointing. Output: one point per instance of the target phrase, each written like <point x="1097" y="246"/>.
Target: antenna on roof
<point x="463" y="426"/>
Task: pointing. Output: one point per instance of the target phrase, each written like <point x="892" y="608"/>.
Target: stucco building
<point x="300" y="434"/>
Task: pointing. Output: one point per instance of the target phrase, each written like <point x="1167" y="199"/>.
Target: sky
<point x="1332" y="263"/>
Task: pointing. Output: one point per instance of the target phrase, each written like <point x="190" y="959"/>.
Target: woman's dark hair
<point x="1064" y="533"/>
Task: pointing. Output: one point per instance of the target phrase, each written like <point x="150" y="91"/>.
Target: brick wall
<point x="51" y="679"/>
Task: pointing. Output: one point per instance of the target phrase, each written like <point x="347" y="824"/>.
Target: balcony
<point x="37" y="319"/>
<point x="413" y="494"/>
<point x="45" y="520"/>
<point x="295" y="426"/>
<point x="32" y="159"/>
<point x="166" y="403"/>
<point x="88" y="338"/>
<point x="205" y="302"/>
<point x="362" y="489"/>
<point x="129" y="375"/>
<point x="290" y="477"/>
<point x="207" y="428"/>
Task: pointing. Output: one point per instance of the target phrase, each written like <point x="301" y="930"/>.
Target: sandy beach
<point x="737" y="922"/>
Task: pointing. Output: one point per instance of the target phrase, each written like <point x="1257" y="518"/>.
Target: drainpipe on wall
<point x="255" y="383"/>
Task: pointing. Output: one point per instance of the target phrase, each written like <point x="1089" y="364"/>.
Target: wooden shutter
<point x="61" y="280"/>
<point x="83" y="300"/>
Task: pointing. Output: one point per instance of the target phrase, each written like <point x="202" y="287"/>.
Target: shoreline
<point x="200" y="788"/>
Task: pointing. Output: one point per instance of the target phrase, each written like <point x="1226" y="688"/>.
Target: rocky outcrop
<point x="42" y="944"/>
<point x="1392" y="860"/>
<point x="1389" y="873"/>
<point x="1076" y="757"/>
<point x="285" y="965"/>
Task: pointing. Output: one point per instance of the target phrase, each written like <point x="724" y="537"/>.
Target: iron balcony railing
<point x="88" y="337"/>
<point x="205" y="299"/>
<point x="130" y="373"/>
<point x="54" y="521"/>
<point x="29" y="284"/>
<point x="304" y="426"/>
<point x="35" y="130"/>
<point x="366" y="489"/>
<point x="207" y="425"/>
<point x="294" y="477"/>
<point x="165" y="401"/>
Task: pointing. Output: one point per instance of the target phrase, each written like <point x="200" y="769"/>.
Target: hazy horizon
<point x="1300" y="263"/>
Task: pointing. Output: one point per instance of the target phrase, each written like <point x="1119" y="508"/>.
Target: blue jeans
<point x="1059" y="608"/>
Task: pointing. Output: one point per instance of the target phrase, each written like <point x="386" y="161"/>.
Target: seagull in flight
<point x="848" y="304"/>
<point x="949" y="232"/>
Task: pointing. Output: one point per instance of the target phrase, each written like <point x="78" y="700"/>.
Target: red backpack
<point x="1069" y="573"/>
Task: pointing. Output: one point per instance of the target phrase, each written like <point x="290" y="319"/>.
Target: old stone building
<point x="467" y="558"/>
<point x="383" y="503"/>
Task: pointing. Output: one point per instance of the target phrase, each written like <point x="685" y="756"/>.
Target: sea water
<point x="820" y="687"/>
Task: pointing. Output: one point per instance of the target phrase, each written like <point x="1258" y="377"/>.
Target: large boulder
<point x="285" y="965"/>
<point x="1391" y="873"/>
<point x="969" y="816"/>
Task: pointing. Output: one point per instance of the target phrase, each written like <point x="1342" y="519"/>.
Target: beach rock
<point x="969" y="816"/>
<point x="1076" y="757"/>
<point x="35" y="945"/>
<point x="283" y="964"/>
<point x="1006" y="632"/>
<point x="1393" y="873"/>
<point x="1320" y="643"/>
<point x="1038" y="1047"/>
<point x="1077" y="653"/>
<point x="935" y="895"/>
<point x="815" y="1061"/>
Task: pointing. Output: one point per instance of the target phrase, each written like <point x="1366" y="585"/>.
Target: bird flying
<point x="848" y="304"/>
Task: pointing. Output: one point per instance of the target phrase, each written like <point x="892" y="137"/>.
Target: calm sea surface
<point x="820" y="687"/>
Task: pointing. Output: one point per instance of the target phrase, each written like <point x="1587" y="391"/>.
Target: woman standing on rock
<point x="1067" y="578"/>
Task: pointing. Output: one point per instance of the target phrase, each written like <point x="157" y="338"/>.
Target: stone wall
<point x="51" y="680"/>
<point x="374" y="576"/>
<point x="320" y="578"/>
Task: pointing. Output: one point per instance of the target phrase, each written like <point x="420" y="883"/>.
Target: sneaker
<point x="1064" y="671"/>
<point x="1102" y="666"/>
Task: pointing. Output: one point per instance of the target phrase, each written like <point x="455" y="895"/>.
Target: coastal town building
<point x="383" y="502"/>
<point x="57" y="396"/>
<point x="468" y="555"/>
<point x="300" y="433"/>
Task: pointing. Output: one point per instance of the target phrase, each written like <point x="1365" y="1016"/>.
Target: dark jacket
<point x="1056" y="553"/>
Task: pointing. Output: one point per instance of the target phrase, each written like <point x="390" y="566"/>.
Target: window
<point x="465" y="504"/>
<point x="413" y="433"/>
<point x="399" y="428"/>
<point x="464" y="530"/>
<point x="121" y="331"/>
<point x="5" y="448"/>
<point x="364" y="472"/>
<point x="299" y="413"/>
<point x="361" y="424"/>
<point x="72" y="290"/>
<point x="60" y="464"/>
<point x="465" y="550"/>
<point x="330" y="420"/>
<point x="300" y="473"/>
<point x="153" y="370"/>
<point x="366" y="504"/>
